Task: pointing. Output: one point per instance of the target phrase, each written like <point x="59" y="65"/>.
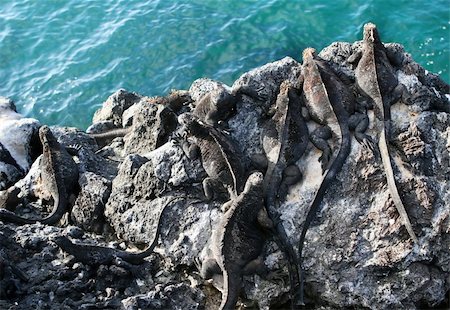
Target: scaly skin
<point x="59" y="174"/>
<point x="220" y="158"/>
<point x="327" y="97"/>
<point x="376" y="78"/>
<point x="238" y="240"/>
<point x="98" y="255"/>
<point x="284" y="139"/>
<point x="215" y="106"/>
<point x="103" y="138"/>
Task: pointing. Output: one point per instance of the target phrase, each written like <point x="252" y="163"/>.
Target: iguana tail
<point x="230" y="292"/>
<point x="11" y="217"/>
<point x="137" y="258"/>
<point x="104" y="138"/>
<point x="58" y="211"/>
<point x="385" y="158"/>
<point x="336" y="166"/>
<point x="59" y="208"/>
<point x="281" y="237"/>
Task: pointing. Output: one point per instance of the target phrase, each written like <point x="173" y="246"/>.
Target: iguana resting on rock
<point x="103" y="138"/>
<point x="377" y="79"/>
<point x="174" y="101"/>
<point x="220" y="157"/>
<point x="215" y="106"/>
<point x="9" y="198"/>
<point x="99" y="255"/>
<point x="284" y="140"/>
<point x="59" y="175"/>
<point x="237" y="241"/>
<point x="330" y="103"/>
<point x="219" y="104"/>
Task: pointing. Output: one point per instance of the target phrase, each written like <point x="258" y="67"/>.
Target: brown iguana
<point x="330" y="103"/>
<point x="59" y="175"/>
<point x="99" y="255"/>
<point x="237" y="241"/>
<point x="376" y="78"/>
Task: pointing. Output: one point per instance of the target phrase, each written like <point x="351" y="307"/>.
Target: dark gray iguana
<point x="220" y="158"/>
<point x="174" y="101"/>
<point x="331" y="104"/>
<point x="219" y="104"/>
<point x="376" y="78"/>
<point x="284" y="140"/>
<point x="59" y="176"/>
<point x="99" y="255"/>
<point x="238" y="240"/>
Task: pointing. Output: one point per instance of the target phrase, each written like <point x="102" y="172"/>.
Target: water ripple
<point x="62" y="59"/>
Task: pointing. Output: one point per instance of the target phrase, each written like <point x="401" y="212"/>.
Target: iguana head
<point x="308" y="54"/>
<point x="254" y="180"/>
<point x="370" y="33"/>
<point x="62" y="241"/>
<point x="46" y="136"/>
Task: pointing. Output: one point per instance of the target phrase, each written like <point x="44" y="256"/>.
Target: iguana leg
<point x="264" y="220"/>
<point x="258" y="267"/>
<point x="209" y="268"/>
<point x="212" y="188"/>
<point x="399" y="93"/>
<point x="255" y="266"/>
<point x="73" y="149"/>
<point x="192" y="151"/>
<point x="291" y="175"/>
<point x="354" y="58"/>
<point x="319" y="138"/>
<point x="358" y="123"/>
<point x="226" y="206"/>
<point x="259" y="161"/>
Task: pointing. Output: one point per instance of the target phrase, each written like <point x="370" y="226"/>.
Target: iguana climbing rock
<point x="377" y="79"/>
<point x="59" y="176"/>
<point x="98" y="255"/>
<point x="330" y="103"/>
<point x="237" y="241"/>
<point x="220" y="158"/>
<point x="284" y="140"/>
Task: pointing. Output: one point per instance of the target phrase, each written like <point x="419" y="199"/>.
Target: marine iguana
<point x="103" y="138"/>
<point x="9" y="198"/>
<point x="376" y="78"/>
<point x="220" y="158"/>
<point x="215" y="106"/>
<point x="238" y="240"/>
<point x="284" y="140"/>
<point x="59" y="175"/>
<point x="5" y="263"/>
<point x="219" y="104"/>
<point x="99" y="255"/>
<point x="330" y="103"/>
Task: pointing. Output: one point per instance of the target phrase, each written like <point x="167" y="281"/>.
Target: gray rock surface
<point x="17" y="135"/>
<point x="357" y="253"/>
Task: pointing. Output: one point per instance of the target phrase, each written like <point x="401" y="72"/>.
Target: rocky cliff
<point x="357" y="251"/>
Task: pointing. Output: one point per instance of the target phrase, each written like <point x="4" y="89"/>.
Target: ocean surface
<point x="59" y="60"/>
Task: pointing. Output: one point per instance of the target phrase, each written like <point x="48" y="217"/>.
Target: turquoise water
<point x="59" y="60"/>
